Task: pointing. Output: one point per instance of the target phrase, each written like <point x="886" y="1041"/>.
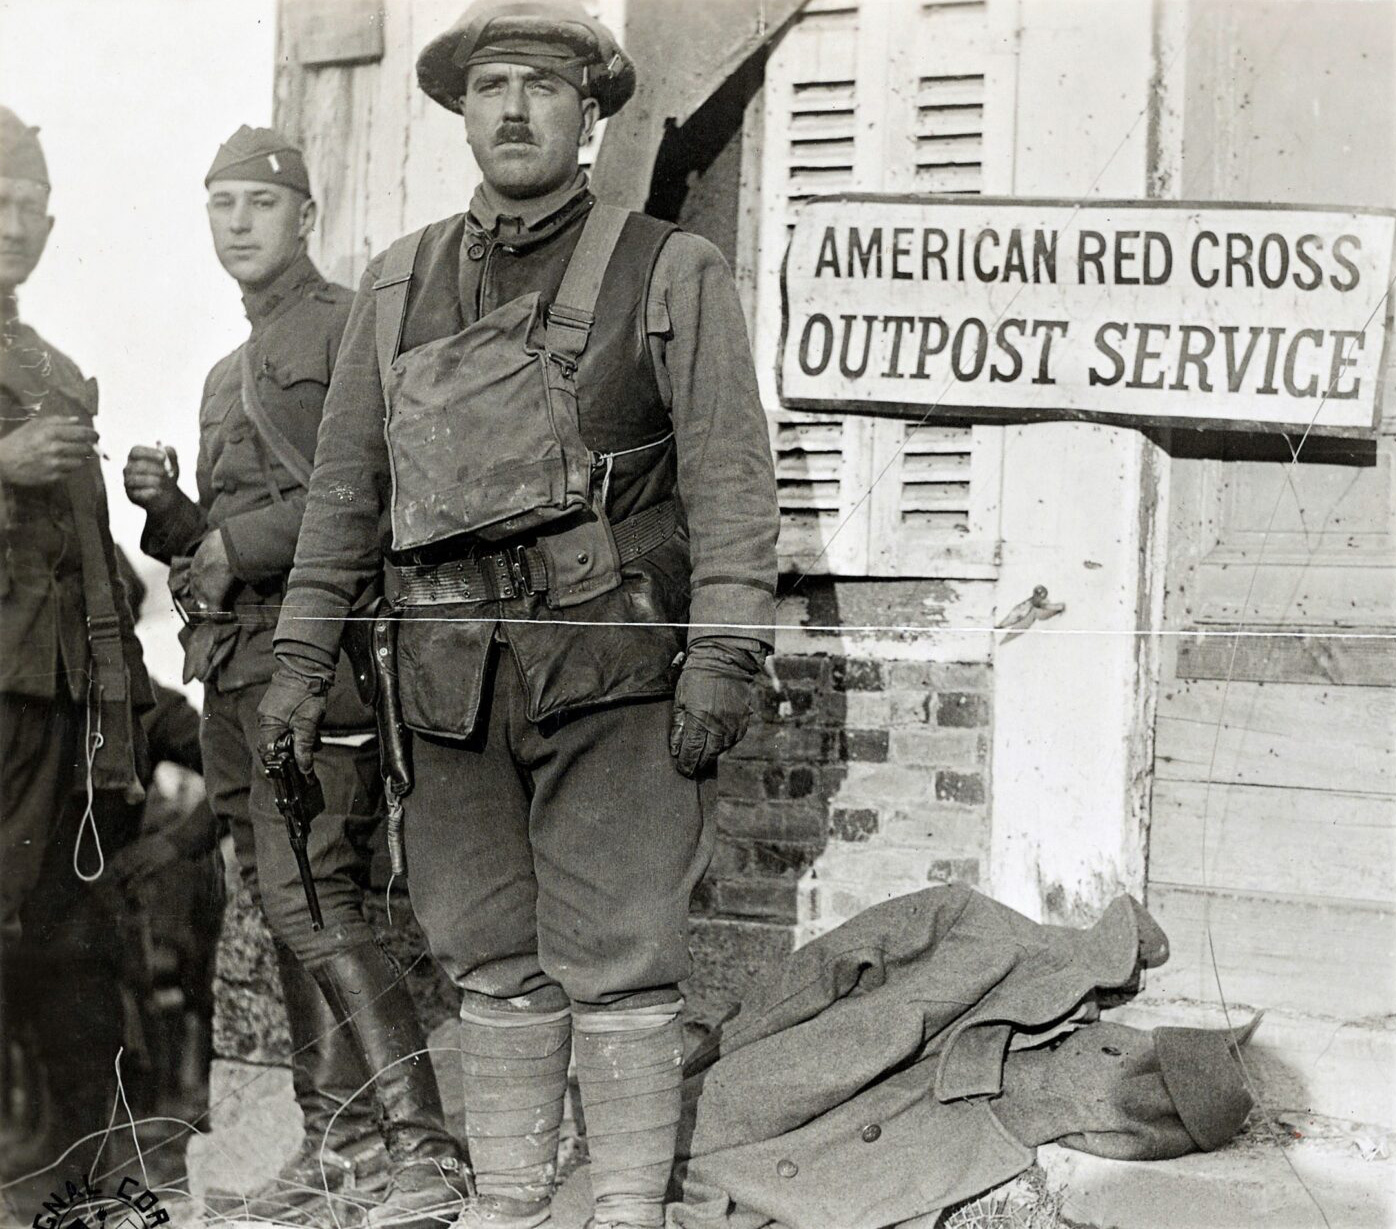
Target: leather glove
<point x="294" y="703"/>
<point x="712" y="702"/>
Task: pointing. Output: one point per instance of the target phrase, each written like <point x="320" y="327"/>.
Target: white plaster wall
<point x="1074" y="700"/>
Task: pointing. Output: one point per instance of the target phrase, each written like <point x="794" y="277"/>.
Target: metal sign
<point x="1141" y="312"/>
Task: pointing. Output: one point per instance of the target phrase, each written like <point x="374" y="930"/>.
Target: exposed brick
<point x="778" y="858"/>
<point x="832" y="707"/>
<point x="867" y="709"/>
<point x="797" y="667"/>
<point x="868" y="745"/>
<point x="852" y="823"/>
<point x="954" y="870"/>
<point x="791" y="704"/>
<point x="703" y="901"/>
<point x="804" y="819"/>
<point x="740" y="779"/>
<point x="963" y="787"/>
<point x="730" y="858"/>
<point x="857" y="674"/>
<point x="764" y="899"/>
<point x="781" y="782"/>
<point x="961" y="709"/>
<point x="953" y="830"/>
<point x="939" y="676"/>
<point x="784" y="743"/>
<point x="936" y="748"/>
<point x="897" y="785"/>
<point x="909" y="707"/>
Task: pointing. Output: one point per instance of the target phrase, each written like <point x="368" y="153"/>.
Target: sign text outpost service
<point x="1136" y="311"/>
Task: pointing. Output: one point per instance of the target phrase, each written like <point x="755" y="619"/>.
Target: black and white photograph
<point x="698" y="614"/>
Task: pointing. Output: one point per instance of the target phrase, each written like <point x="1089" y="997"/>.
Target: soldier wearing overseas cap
<point x="230" y="551"/>
<point x="554" y="403"/>
<point x="71" y="686"/>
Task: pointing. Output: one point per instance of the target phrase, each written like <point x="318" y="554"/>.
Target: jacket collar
<point x="525" y="223"/>
<point x="261" y="305"/>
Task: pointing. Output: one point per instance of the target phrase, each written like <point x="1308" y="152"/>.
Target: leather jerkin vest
<point x="618" y="408"/>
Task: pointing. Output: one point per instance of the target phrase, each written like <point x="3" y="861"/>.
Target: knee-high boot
<point x="514" y="1067"/>
<point x="343" y="1150"/>
<point x="427" y="1174"/>
<point x="630" y="1071"/>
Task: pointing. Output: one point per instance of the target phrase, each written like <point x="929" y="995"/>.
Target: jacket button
<point x="872" y="1133"/>
<point x="583" y="557"/>
<point x="475" y="251"/>
<point x="787" y="1169"/>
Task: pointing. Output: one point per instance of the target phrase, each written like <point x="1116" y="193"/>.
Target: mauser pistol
<point x="299" y="798"/>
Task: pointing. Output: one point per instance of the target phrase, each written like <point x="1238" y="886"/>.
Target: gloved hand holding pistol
<point x="712" y="702"/>
<point x="294" y="703"/>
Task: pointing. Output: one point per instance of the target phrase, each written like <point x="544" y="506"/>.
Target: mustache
<point x="514" y="131"/>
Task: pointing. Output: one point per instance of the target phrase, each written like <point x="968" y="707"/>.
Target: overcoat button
<point x="787" y="1169"/>
<point x="872" y="1133"/>
<point x="583" y="557"/>
<point x="475" y="251"/>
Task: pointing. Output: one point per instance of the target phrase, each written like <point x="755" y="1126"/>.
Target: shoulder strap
<point x="297" y="464"/>
<point x="390" y="299"/>
<point x="573" y="311"/>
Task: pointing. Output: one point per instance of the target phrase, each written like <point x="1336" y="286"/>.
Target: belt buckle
<point x="518" y="569"/>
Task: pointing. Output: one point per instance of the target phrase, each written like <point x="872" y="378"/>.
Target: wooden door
<point x="1272" y="854"/>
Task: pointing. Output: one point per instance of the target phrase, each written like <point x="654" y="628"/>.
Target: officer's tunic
<point x="44" y="652"/>
<point x="550" y="839"/>
<point x="249" y="497"/>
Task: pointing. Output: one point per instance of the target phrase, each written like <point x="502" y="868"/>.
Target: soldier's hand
<point x="294" y="702"/>
<point x="144" y="859"/>
<point x="211" y="576"/>
<point x="712" y="702"/>
<point x="46" y="450"/>
<point x="152" y="478"/>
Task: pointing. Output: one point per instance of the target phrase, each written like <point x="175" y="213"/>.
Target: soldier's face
<point x="525" y="128"/>
<point x="258" y="228"/>
<point x="24" y="229"/>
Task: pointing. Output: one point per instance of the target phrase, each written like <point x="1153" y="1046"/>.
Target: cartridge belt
<point x="515" y="571"/>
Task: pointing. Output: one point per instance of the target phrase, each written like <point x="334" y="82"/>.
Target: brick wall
<point x="861" y="778"/>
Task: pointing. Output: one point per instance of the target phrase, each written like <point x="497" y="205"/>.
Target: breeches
<point x="339" y="845"/>
<point x="556" y="856"/>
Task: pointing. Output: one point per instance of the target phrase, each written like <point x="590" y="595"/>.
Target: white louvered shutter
<point x="935" y="505"/>
<point x="810" y="148"/>
<point x="874" y="96"/>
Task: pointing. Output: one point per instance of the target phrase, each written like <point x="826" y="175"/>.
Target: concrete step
<point x="1257" y="1182"/>
<point x="1340" y="1069"/>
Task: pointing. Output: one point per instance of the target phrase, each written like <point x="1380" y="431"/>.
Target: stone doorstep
<point x="1246" y="1185"/>
<point x="1301" y="1064"/>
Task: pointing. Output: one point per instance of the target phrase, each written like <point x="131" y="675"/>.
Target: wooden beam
<point x="1247" y="657"/>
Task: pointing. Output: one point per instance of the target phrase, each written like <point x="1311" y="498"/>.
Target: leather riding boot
<point x="426" y="1172"/>
<point x="342" y="1151"/>
<point x="514" y="1068"/>
<point x="630" y="1070"/>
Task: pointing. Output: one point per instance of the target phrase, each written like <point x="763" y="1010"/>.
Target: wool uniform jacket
<point x="245" y="493"/>
<point x="689" y="344"/>
<point x="46" y="594"/>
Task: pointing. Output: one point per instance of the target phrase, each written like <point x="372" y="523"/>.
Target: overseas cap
<point x="555" y="36"/>
<point x="260" y="154"/>
<point x="21" y="156"/>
